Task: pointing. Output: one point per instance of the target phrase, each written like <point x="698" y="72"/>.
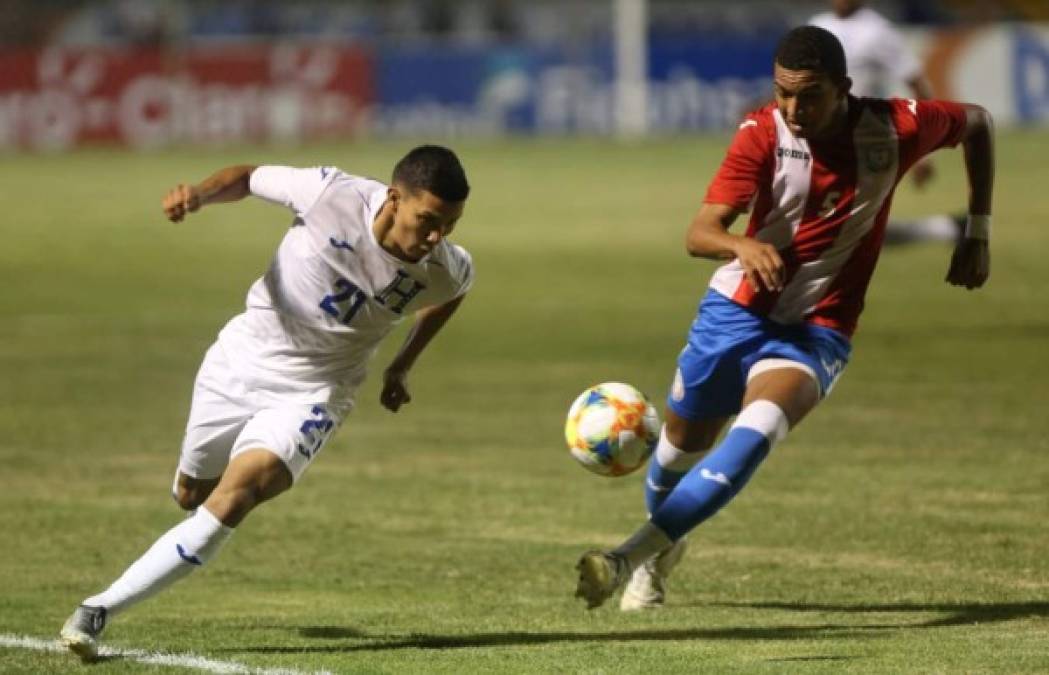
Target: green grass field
<point x="902" y="527"/>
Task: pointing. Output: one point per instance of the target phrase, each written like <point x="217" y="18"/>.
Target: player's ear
<point x="393" y="197"/>
<point x="846" y="86"/>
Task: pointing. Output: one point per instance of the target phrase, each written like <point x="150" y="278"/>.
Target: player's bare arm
<point x="971" y="262"/>
<point x="428" y="323"/>
<point x="708" y="237"/>
<point x="225" y="185"/>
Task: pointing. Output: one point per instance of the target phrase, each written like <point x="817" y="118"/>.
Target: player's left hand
<point x="970" y="264"/>
<point x="394" y="390"/>
<point x="922" y="173"/>
<point x="181" y="200"/>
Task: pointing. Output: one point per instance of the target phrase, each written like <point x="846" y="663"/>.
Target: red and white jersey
<point x="824" y="204"/>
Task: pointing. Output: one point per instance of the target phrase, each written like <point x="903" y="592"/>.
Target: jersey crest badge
<point x="878" y="158"/>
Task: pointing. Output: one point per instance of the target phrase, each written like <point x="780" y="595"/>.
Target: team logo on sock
<point x="188" y="557"/>
<point x="716" y="477"/>
<point x="656" y="488"/>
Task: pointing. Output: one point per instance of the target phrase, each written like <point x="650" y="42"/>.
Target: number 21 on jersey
<point x="345" y="302"/>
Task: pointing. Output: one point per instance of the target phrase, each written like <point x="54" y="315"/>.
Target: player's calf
<point x="723" y="473"/>
<point x="254" y="476"/>
<point x="682" y="443"/>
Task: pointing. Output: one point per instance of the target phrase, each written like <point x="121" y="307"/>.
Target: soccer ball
<point x="612" y="429"/>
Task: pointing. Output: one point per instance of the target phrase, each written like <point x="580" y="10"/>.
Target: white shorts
<point x="228" y="417"/>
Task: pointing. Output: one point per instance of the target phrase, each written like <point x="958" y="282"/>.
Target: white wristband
<point x="978" y="227"/>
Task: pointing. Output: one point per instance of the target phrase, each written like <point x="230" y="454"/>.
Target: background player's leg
<point x="941" y="227"/>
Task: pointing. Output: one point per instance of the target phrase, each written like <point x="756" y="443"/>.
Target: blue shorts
<point x="725" y="342"/>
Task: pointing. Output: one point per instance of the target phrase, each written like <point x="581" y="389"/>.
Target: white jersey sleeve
<point x="297" y="189"/>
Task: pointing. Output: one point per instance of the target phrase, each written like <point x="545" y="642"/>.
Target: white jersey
<point x="876" y="56"/>
<point x="331" y="293"/>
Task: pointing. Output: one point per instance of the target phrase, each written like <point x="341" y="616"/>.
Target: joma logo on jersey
<point x="399" y="292"/>
<point x="791" y="153"/>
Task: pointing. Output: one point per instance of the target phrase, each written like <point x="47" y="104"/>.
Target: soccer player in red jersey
<point x="817" y="170"/>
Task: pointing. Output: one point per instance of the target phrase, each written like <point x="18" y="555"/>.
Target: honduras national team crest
<point x="878" y="158"/>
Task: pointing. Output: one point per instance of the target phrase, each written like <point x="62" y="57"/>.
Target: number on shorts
<point x="315" y="430"/>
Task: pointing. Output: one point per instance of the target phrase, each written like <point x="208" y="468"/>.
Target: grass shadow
<point x="957" y="614"/>
<point x="378" y="643"/>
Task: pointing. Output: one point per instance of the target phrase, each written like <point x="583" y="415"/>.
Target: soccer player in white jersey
<point x="816" y="169"/>
<point x="359" y="257"/>
<point x="880" y="62"/>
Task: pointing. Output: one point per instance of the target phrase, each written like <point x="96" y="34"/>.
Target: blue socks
<point x="720" y="476"/>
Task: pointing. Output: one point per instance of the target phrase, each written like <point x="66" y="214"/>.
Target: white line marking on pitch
<point x="155" y="658"/>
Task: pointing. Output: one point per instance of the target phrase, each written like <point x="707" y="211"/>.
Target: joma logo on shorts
<point x="791" y="153"/>
<point x="832" y="367"/>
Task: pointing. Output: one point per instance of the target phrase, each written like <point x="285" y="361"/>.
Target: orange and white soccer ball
<point x="612" y="429"/>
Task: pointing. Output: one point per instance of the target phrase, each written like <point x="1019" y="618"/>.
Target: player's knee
<point x="232" y="504"/>
<point x="689" y="436"/>
<point x="191" y="493"/>
<point x="252" y="477"/>
<point x="187" y="499"/>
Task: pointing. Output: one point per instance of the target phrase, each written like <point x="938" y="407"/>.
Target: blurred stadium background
<point x="149" y="73"/>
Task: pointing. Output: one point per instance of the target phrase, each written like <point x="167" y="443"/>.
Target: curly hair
<point x="812" y="48"/>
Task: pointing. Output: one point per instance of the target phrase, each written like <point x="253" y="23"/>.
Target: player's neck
<point x="838" y="123"/>
<point x="382" y="228"/>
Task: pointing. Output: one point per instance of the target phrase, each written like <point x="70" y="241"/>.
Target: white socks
<point x="673" y="458"/>
<point x="647" y="542"/>
<point x="179" y="551"/>
<point x="766" y="418"/>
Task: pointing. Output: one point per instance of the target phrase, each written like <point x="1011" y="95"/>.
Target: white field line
<point x="155" y="658"/>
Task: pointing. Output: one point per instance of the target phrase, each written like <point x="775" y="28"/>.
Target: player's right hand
<point x="970" y="264"/>
<point x="394" y="389"/>
<point x="762" y="264"/>
<point x="179" y="201"/>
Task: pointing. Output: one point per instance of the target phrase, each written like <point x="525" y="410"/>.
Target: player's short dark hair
<point x="812" y="48"/>
<point x="435" y="169"/>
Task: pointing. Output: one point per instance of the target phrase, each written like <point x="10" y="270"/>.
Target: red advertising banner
<point x="57" y="99"/>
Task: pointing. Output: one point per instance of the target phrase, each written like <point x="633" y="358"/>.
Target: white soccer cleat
<point x="648" y="585"/>
<point x="600" y="574"/>
<point x="81" y="631"/>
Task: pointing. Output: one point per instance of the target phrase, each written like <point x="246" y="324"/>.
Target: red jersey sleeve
<point x="940" y="124"/>
<point x="744" y="166"/>
<point x="927" y="126"/>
